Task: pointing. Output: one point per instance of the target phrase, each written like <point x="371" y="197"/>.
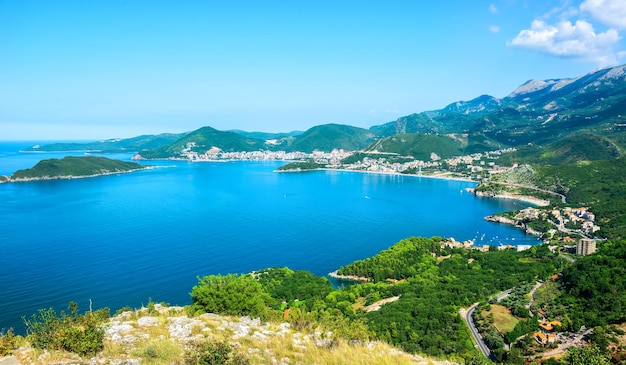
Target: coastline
<point x="440" y="177"/>
<point x="9" y="179"/>
<point x="334" y="275"/>
<point x="524" y="198"/>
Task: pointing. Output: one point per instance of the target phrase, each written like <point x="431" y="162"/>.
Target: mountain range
<point x="578" y="118"/>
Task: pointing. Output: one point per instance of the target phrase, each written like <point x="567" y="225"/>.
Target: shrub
<point x="8" y="343"/>
<point x="81" y="334"/>
<point x="237" y="295"/>
<point x="213" y="353"/>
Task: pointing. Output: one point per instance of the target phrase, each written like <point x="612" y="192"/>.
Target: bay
<point x="122" y="240"/>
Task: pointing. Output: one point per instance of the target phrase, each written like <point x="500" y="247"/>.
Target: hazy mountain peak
<point x="532" y="86"/>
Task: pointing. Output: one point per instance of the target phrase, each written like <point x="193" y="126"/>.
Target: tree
<point x="232" y="295"/>
<point x="585" y="356"/>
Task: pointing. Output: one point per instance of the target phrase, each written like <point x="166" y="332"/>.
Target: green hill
<point x="72" y="166"/>
<point x="134" y="144"/>
<point x="578" y="147"/>
<point x="205" y="138"/>
<point x="421" y="146"/>
<point x="330" y="136"/>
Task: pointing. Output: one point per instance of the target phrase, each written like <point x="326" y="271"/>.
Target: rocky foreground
<point x="162" y="334"/>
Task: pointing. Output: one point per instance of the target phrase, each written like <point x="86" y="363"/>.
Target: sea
<point x="125" y="240"/>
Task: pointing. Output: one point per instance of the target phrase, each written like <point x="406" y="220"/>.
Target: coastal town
<point x="473" y="166"/>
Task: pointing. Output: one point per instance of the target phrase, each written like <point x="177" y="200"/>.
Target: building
<point x="585" y="246"/>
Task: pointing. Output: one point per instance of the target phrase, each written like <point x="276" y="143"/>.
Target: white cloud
<point x="494" y="29"/>
<point x="609" y="12"/>
<point x="565" y="39"/>
<point x="493" y="9"/>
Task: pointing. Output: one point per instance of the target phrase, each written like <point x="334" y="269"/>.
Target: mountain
<point x="134" y="144"/>
<point x="330" y="136"/>
<point x="539" y="111"/>
<point x="266" y="136"/>
<point x="204" y="139"/>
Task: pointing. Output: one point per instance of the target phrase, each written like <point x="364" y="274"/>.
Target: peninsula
<point x="71" y="167"/>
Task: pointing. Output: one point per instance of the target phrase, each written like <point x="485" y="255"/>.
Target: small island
<point x="71" y="167"/>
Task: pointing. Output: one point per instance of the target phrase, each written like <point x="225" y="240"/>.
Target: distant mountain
<point x="266" y="136"/>
<point x="536" y="112"/>
<point x="204" y="139"/>
<point x="330" y="136"/>
<point x="134" y="144"/>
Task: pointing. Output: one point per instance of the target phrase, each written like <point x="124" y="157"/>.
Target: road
<point x="467" y="316"/>
<point x="563" y="198"/>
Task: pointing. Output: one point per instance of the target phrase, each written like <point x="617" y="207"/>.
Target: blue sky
<point x="112" y="69"/>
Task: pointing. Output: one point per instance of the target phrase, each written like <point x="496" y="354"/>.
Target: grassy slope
<point x="264" y="343"/>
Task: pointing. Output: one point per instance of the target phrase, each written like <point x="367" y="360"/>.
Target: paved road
<point x="470" y="323"/>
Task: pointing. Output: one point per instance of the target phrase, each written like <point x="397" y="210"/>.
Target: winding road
<point x="467" y="316"/>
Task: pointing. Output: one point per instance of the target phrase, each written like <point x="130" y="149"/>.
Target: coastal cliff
<point x="513" y="222"/>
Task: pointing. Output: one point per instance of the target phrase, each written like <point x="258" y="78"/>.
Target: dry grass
<point x="503" y="320"/>
<point x="262" y="343"/>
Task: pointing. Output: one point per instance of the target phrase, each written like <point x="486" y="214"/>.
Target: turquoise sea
<point x="121" y="240"/>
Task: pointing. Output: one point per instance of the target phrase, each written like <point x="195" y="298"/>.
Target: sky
<point x="102" y="69"/>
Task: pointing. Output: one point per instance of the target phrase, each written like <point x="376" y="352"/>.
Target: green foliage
<point x="213" y="353"/>
<point x="81" y="334"/>
<point x="237" y="295"/>
<point x="8" y="342"/>
<point x="571" y="149"/>
<point x="425" y="319"/>
<point x="405" y="259"/>
<point x="298" y="166"/>
<point x="420" y="146"/>
<point x="585" y="356"/>
<point x="76" y="166"/>
<point x="284" y="284"/>
<point x="332" y="136"/>
<point x="204" y="139"/>
<point x="600" y="185"/>
<point x="595" y="286"/>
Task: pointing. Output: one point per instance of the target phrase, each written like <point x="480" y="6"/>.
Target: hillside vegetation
<point x="71" y="166"/>
<point x="202" y="140"/>
<point x="421" y="146"/>
<point x="302" y="318"/>
<point x="331" y="136"/>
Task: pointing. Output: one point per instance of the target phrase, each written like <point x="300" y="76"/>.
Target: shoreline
<point x="524" y="198"/>
<point x="440" y="177"/>
<point x="334" y="275"/>
<point x="69" y="177"/>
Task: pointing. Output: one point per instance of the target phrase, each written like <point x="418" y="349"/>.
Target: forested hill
<point x="72" y="166"/>
<point x="332" y="136"/>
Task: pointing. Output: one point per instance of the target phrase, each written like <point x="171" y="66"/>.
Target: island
<point x="71" y="167"/>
